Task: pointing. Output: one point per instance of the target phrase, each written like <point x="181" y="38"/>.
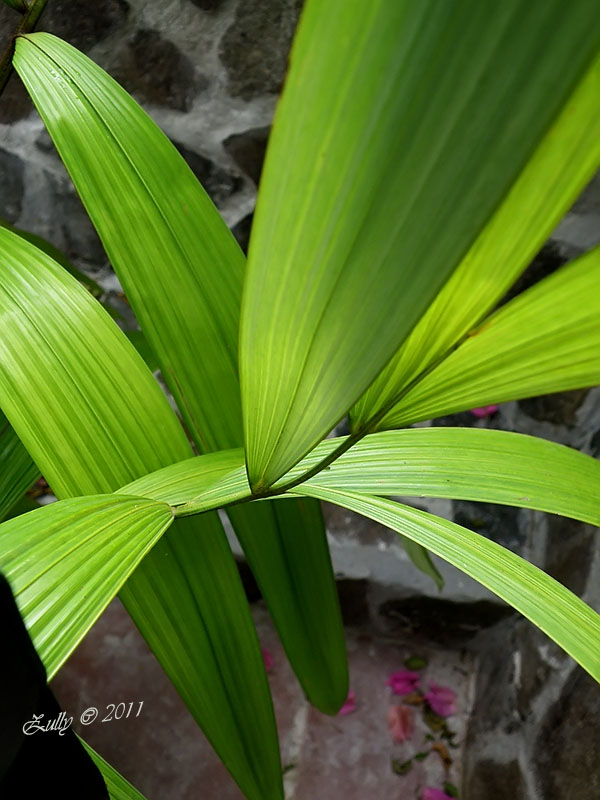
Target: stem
<point x="26" y="25"/>
<point x="325" y="462"/>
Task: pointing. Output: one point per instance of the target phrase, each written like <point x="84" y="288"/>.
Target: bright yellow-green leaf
<point x="189" y="314"/>
<point x="66" y="561"/>
<point x="47" y="247"/>
<point x="544" y="340"/>
<point x="181" y="482"/>
<point x="401" y="129"/>
<point x="17" y="470"/>
<point x="91" y="415"/>
<point x="177" y="262"/>
<point x="202" y="483"/>
<point x="555" y="610"/>
<point x="563" y="163"/>
<point x="463" y="463"/>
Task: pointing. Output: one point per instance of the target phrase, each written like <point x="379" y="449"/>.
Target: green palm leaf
<point x="401" y="129"/>
<point x="461" y="463"/>
<point x="88" y="410"/>
<point x="17" y="470"/>
<point x="562" y="164"/>
<point x="118" y="787"/>
<point x="66" y="561"/>
<point x="544" y="340"/>
<point x="189" y="313"/>
<point x="565" y="618"/>
<point x="464" y="463"/>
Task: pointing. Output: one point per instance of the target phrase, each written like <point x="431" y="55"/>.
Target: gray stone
<point x="499" y="523"/>
<point x="352" y="595"/>
<point x="15" y="103"/>
<point x="494" y="705"/>
<point x="534" y="671"/>
<point x="82" y="23"/>
<point x="208" y="5"/>
<point x="350" y="526"/>
<point x="14" y="100"/>
<point x="447" y="623"/>
<point x="566" y="751"/>
<point x="595" y="444"/>
<point x="494" y="780"/>
<point x="218" y="183"/>
<point x="9" y="22"/>
<point x="464" y="419"/>
<point x="44" y="142"/>
<point x="589" y="200"/>
<point x="570" y="552"/>
<point x="78" y="238"/>
<point x="255" y="47"/>
<point x="559" y="409"/>
<point x="547" y="261"/>
<point x="11" y="180"/>
<point x="248" y="150"/>
<point x="241" y="231"/>
<point x="155" y="71"/>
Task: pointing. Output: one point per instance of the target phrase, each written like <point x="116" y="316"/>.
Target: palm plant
<point x="421" y="154"/>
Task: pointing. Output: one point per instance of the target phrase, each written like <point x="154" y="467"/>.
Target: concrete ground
<point x="350" y="757"/>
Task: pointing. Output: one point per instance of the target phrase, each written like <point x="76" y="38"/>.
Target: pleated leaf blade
<point x="17" y="470"/>
<point x="401" y="128"/>
<point x="90" y="413"/>
<point x="189" y="314"/>
<point x="66" y="561"/>
<point x="565" y="160"/>
<point x="179" y="265"/>
<point x="565" y="618"/>
<point x="482" y="465"/>
<point x="545" y="340"/>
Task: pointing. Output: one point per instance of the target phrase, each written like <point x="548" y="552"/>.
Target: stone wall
<point x="208" y="72"/>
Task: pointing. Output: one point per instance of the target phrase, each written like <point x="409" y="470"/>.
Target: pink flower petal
<point x="349" y="704"/>
<point x="267" y="658"/>
<point x="401" y="722"/>
<point x="429" y="793"/>
<point x="441" y="699"/>
<point x="403" y="682"/>
<point x="484" y="411"/>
